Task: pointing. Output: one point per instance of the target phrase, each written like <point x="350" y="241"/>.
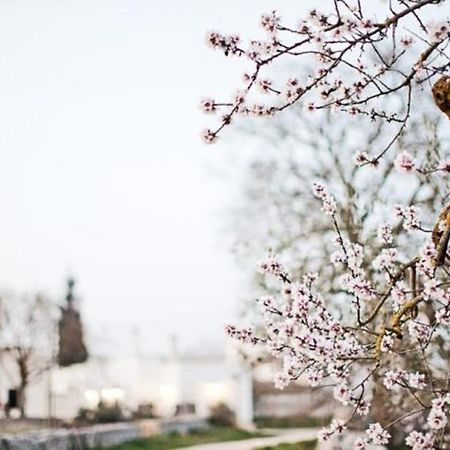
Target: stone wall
<point x="97" y="436"/>
<point x="73" y="439"/>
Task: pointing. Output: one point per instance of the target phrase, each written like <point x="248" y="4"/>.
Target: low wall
<point x="74" y="439"/>
<point x="182" y="425"/>
<point x="98" y="436"/>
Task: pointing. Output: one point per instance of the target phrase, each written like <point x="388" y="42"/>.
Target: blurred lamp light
<point x="92" y="399"/>
<point x="168" y="398"/>
<point x="215" y="392"/>
<point x="112" y="395"/>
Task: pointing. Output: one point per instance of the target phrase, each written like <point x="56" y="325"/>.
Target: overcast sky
<point x="102" y="173"/>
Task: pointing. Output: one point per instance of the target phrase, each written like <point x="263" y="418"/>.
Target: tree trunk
<point x="21" y="401"/>
<point x="21" y="391"/>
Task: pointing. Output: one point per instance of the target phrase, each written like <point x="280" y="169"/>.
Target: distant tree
<point x="221" y="415"/>
<point x="27" y="339"/>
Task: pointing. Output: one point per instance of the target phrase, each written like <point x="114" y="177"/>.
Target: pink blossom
<point x="360" y="444"/>
<point x="328" y="203"/>
<point x="208" y="105"/>
<point x="387" y="343"/>
<point x="407" y="41"/>
<point x="386" y="259"/>
<point x="437" y="30"/>
<point x="419" y="441"/>
<point x="336" y="426"/>
<point x="393" y="378"/>
<point x="421" y="331"/>
<point x="404" y="162"/>
<point x="270" y="22"/>
<point x="409" y="214"/>
<point x="360" y="158"/>
<point x="437" y="419"/>
<point x="309" y="107"/>
<point x="208" y="136"/>
<point x="399" y="294"/>
<point x="416" y="380"/>
<point x="265" y="85"/>
<point x="271" y="265"/>
<point x="384" y="233"/>
<point x="377" y="435"/>
<point x="443" y="316"/>
<point x="342" y="393"/>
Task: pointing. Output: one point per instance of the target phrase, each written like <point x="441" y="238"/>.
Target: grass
<point x="175" y="440"/>
<point x="291" y="422"/>
<point x="309" y="445"/>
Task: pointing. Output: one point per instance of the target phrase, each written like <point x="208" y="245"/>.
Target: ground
<point x="309" y="445"/>
<point x="172" y="441"/>
<point x="229" y="439"/>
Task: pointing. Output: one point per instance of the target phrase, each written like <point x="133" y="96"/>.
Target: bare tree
<point x="26" y="339"/>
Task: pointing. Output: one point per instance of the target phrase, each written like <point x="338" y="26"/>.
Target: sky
<point x="102" y="172"/>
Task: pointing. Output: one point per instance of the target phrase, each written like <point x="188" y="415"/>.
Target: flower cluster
<point x="336" y="427"/>
<point x="271" y="265"/>
<point x="409" y="216"/>
<point x="420" y="441"/>
<point x="437" y="419"/>
<point x="402" y="378"/>
<point x="361" y="158"/>
<point x="386" y="259"/>
<point x="384" y="233"/>
<point x="270" y="22"/>
<point x="376" y="435"/>
<point x="229" y="44"/>
<point x="328" y="202"/>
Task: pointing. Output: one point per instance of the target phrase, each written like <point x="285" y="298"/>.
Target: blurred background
<point x="119" y="229"/>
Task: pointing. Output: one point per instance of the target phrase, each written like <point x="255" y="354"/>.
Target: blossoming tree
<point x="396" y="334"/>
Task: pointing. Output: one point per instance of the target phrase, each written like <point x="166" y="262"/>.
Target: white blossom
<point x="419" y="441"/>
<point x="377" y="434"/>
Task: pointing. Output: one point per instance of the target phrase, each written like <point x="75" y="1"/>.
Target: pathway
<point x="278" y="437"/>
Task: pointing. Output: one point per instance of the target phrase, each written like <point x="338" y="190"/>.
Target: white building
<point x="201" y="381"/>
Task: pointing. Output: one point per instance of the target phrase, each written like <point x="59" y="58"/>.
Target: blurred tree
<point x="26" y="340"/>
<point x="221" y="415"/>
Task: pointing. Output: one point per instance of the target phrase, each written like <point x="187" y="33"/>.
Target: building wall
<point x="201" y="380"/>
